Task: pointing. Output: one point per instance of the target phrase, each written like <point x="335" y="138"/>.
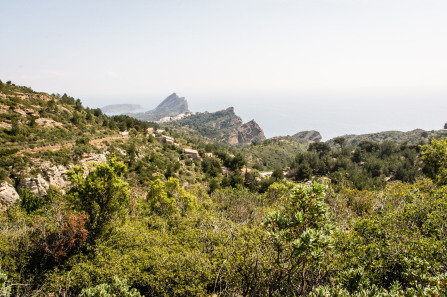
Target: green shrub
<point x="5" y="289"/>
<point x="118" y="288"/>
<point x="30" y="202"/>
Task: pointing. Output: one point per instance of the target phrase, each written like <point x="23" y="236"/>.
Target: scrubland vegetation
<point x="363" y="220"/>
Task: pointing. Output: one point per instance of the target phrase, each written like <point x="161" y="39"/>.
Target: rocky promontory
<point x="224" y="126"/>
<point x="172" y="106"/>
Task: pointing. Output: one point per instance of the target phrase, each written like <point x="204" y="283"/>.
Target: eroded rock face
<point x="56" y="176"/>
<point x="36" y="185"/>
<point x="173" y="105"/>
<point x="8" y="194"/>
<point x="249" y="132"/>
<point x="97" y="158"/>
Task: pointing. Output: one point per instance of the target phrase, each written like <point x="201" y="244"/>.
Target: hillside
<point x="32" y="119"/>
<point x="172" y="106"/>
<point x="312" y="135"/>
<point x="92" y="205"/>
<point x="42" y="135"/>
<point x="273" y="153"/>
<point x="412" y="137"/>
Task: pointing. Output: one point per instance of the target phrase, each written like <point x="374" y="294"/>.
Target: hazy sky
<point x="338" y="66"/>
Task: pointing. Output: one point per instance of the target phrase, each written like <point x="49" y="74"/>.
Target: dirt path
<point x="56" y="147"/>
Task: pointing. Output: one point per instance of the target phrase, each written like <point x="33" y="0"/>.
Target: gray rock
<point x="97" y="158"/>
<point x="311" y="135"/>
<point x="8" y="195"/>
<point x="249" y="132"/>
<point x="36" y="185"/>
<point x="56" y="176"/>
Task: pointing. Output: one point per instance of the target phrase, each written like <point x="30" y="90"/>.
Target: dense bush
<point x="367" y="166"/>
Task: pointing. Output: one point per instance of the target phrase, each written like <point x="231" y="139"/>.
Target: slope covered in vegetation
<point x="149" y="219"/>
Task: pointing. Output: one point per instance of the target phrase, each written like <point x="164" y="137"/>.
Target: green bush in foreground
<point x="5" y="290"/>
<point x="302" y="236"/>
<point x="118" y="288"/>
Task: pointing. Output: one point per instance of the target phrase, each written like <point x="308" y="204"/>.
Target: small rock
<point x="36" y="185"/>
<point x="56" y="176"/>
<point x="8" y="195"/>
<point x="97" y="158"/>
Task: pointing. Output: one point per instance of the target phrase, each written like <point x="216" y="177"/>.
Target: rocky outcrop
<point x="311" y="135"/>
<point x="445" y="126"/>
<point x="36" y="185"/>
<point x="96" y="158"/>
<point x="56" y="175"/>
<point x="172" y="106"/>
<point x="229" y="119"/>
<point x="8" y="194"/>
<point x="249" y="132"/>
<point x="224" y="126"/>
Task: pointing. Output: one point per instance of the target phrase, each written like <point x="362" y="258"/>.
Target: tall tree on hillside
<point x="435" y="158"/>
<point x="102" y="193"/>
<point x="341" y="141"/>
<point x="321" y="148"/>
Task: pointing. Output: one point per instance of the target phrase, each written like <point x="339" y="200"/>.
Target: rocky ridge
<point x="412" y="137"/>
<point x="172" y="106"/>
<point x="311" y="135"/>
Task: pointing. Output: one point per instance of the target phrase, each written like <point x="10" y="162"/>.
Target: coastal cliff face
<point x="173" y="105"/>
<point x="224" y="126"/>
<point x="249" y="132"/>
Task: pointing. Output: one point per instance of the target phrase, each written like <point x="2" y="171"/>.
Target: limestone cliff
<point x="249" y="132"/>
